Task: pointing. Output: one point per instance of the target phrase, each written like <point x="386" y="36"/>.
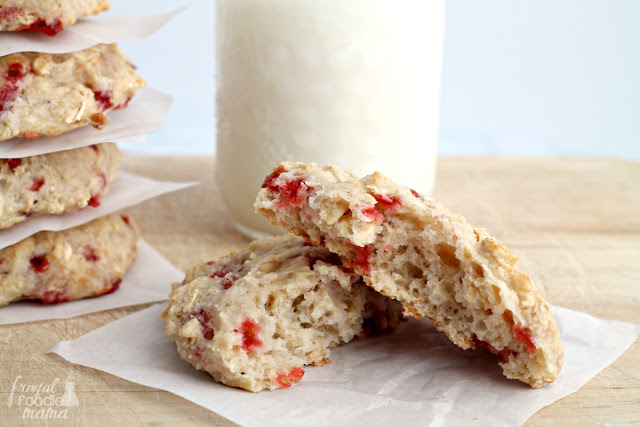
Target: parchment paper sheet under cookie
<point x="414" y="376"/>
<point x="86" y="32"/>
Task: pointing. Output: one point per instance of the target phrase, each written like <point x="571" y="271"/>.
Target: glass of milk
<point x="354" y="83"/>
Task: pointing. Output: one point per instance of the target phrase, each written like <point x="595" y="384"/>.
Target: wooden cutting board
<point x="575" y="223"/>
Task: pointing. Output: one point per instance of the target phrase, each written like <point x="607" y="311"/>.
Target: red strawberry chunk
<point x="9" y="13"/>
<point x="94" y="201"/>
<point x="11" y="85"/>
<point x="221" y="272"/>
<point x="13" y="163"/>
<point x="250" y="331"/>
<point x="283" y="380"/>
<point x="268" y="181"/>
<point x="387" y="202"/>
<point x="39" y="263"/>
<point x="197" y="352"/>
<point x="90" y="254"/>
<point x="126" y="219"/>
<point x="37" y="185"/>
<point x="228" y="281"/>
<point x="224" y="271"/>
<point x="362" y="260"/>
<point x="15" y="73"/>
<point x="292" y="192"/>
<point x="373" y="213"/>
<point x="41" y="26"/>
<point x="524" y="336"/>
<point x="204" y="318"/>
<point x="55" y="296"/>
<point x="294" y="375"/>
<point x="103" y="99"/>
<point x="415" y="193"/>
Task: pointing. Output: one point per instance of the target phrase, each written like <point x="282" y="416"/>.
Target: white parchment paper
<point x="86" y="32"/>
<point x="145" y="114"/>
<point x="414" y="376"/>
<point x="128" y="190"/>
<point x="146" y="281"/>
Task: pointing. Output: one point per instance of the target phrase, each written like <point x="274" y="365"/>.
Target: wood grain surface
<point x="575" y="223"/>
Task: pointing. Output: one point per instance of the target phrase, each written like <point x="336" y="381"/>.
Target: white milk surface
<point x="354" y="83"/>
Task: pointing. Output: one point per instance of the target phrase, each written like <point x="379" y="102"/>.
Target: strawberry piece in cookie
<point x="39" y="263"/>
<point x="292" y="192"/>
<point x="362" y="258"/>
<point x="37" y="185"/>
<point x="10" y="83"/>
<point x="41" y="26"/>
<point x="524" y="336"/>
<point x="13" y="164"/>
<point x="53" y="296"/>
<point x="293" y="376"/>
<point x="250" y="331"/>
<point x="204" y="318"/>
<point x="103" y="99"/>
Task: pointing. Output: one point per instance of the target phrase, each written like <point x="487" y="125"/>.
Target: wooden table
<point x="575" y="223"/>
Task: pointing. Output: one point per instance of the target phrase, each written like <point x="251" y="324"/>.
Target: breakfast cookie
<point x="45" y="94"/>
<point x="413" y="249"/>
<point x="80" y="262"/>
<point x="46" y="16"/>
<point x="253" y="319"/>
<point x="55" y="183"/>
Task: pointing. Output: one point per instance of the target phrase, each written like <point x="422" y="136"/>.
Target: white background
<point x="520" y="77"/>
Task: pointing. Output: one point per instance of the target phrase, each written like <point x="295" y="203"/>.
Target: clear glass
<point x="354" y="83"/>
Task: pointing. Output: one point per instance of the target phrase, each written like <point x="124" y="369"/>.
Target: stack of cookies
<point x="44" y="94"/>
<point x="366" y="250"/>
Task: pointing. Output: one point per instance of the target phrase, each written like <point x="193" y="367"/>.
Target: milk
<point x="354" y="83"/>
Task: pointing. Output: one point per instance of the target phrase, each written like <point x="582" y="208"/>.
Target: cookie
<point x="56" y="183"/>
<point x="45" y="94"/>
<point x="80" y="262"/>
<point x="253" y="319"/>
<point x="46" y="16"/>
<point x="413" y="249"/>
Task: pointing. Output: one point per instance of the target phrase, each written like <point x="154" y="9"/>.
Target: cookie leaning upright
<point x="46" y="16"/>
<point x="412" y="248"/>
<point x="253" y="319"/>
<point x="56" y="183"/>
<point x="80" y="262"/>
<point x="46" y="94"/>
